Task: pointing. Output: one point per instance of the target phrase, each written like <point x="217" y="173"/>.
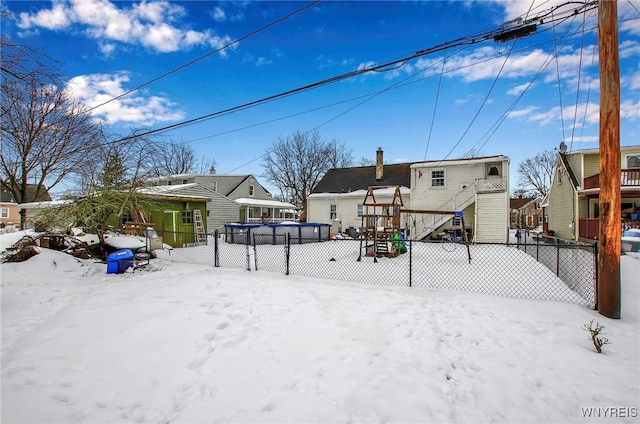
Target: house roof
<point x="387" y="191"/>
<point x="183" y="188"/>
<point x="596" y="150"/>
<point x="7" y="197"/>
<point x="463" y="161"/>
<point x="246" y="201"/>
<point x="345" y="180"/>
<point x="225" y="184"/>
<point x="520" y="202"/>
<point x="567" y="166"/>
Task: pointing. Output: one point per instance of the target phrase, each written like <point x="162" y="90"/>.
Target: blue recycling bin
<point x="119" y="261"/>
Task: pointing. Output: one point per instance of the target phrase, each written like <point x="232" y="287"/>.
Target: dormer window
<point x="494" y="169"/>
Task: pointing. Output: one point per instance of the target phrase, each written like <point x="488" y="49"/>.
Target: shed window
<point x="126" y="217"/>
<point x="437" y="178"/>
<point x="187" y="217"/>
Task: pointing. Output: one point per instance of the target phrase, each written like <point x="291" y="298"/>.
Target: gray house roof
<point x="7" y="197"/>
<point x="345" y="180"/>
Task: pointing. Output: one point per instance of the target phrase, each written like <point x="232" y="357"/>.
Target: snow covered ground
<point x="195" y="344"/>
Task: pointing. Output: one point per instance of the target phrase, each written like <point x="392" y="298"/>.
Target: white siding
<point x="491" y="220"/>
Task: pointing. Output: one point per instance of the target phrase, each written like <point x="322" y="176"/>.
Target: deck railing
<point x="628" y="178"/>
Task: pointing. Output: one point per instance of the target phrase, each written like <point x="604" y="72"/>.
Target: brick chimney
<point x="379" y="165"/>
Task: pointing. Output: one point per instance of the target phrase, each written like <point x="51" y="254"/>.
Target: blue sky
<point x="420" y="110"/>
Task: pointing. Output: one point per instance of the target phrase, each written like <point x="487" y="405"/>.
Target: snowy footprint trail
<point x="188" y="343"/>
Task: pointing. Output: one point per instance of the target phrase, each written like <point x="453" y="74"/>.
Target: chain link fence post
<point x="216" y="250"/>
<point x="255" y="253"/>
<point x="410" y="263"/>
<point x="287" y="253"/>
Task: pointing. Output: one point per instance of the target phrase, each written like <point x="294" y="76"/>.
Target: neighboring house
<point x="172" y="215"/>
<point x="573" y="197"/>
<point x="479" y="187"/>
<point x="253" y="202"/>
<point x="338" y="197"/>
<point x="10" y="209"/>
<point x="526" y="212"/>
<point x="220" y="209"/>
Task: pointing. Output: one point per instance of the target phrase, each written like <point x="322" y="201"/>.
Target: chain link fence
<point x="542" y="269"/>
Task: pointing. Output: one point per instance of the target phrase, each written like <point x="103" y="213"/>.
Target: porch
<point x="263" y="210"/>
<point x="589" y="228"/>
<point x="628" y="178"/>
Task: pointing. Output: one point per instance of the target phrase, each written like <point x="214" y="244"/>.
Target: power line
<point x="226" y="46"/>
<point x="394" y="64"/>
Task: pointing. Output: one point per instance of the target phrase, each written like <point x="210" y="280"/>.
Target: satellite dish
<point x="563" y="147"/>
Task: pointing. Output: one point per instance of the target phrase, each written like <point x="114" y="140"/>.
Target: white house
<point x="479" y="187"/>
<point x="338" y="198"/>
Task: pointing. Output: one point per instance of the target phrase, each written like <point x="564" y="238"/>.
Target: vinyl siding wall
<point x="491" y="220"/>
<point x="561" y="204"/>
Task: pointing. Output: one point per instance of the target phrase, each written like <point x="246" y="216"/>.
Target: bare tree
<point x="45" y="133"/>
<point x="295" y="164"/>
<point x="535" y="175"/>
<point x="366" y="161"/>
<point x="339" y="156"/>
<point x="175" y="158"/>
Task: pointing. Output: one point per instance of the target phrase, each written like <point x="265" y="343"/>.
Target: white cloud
<point x="218" y="15"/>
<point x="366" y="65"/>
<point x="263" y="61"/>
<point x="553" y="115"/>
<point x="134" y="109"/>
<point x="630" y="109"/>
<point x="629" y="48"/>
<point x="150" y="24"/>
<point x="632" y="81"/>
<point x="518" y="89"/>
<point x="56" y="18"/>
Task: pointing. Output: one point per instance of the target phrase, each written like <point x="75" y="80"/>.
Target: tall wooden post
<point x="610" y="171"/>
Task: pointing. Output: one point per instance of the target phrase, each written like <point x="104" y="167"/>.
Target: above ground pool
<point x="276" y="232"/>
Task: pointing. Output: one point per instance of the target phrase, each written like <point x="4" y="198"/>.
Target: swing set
<point x="381" y="232"/>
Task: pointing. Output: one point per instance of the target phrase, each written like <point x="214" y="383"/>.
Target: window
<point x="185" y="181"/>
<point x="559" y="176"/>
<point x="5" y="213"/>
<point x="333" y="212"/>
<point x="631" y="161"/>
<point x="494" y="169"/>
<point x="359" y="210"/>
<point x="437" y="178"/>
<point x="126" y="217"/>
<point x="251" y="190"/>
<point x="187" y="217"/>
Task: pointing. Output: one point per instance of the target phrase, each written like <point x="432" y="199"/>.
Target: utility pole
<point x="610" y="171"/>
